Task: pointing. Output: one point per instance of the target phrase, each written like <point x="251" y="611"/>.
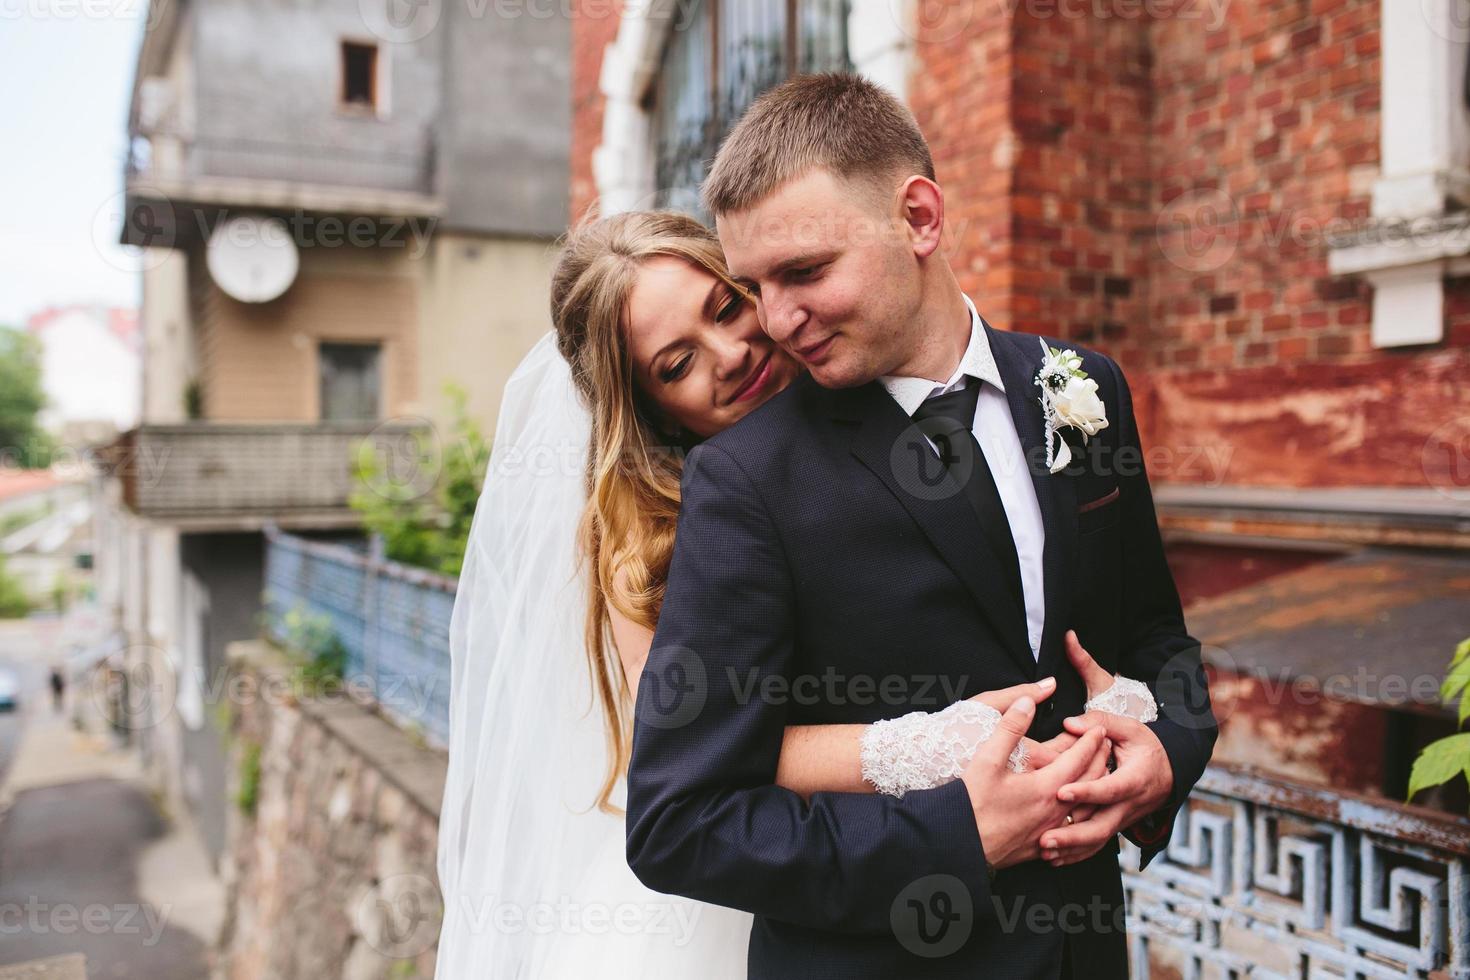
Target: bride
<point x="654" y="348"/>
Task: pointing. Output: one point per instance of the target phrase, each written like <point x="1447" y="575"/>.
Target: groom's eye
<point x="805" y="272"/>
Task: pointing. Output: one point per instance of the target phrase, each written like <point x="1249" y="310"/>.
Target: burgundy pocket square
<point x="1102" y="501"/>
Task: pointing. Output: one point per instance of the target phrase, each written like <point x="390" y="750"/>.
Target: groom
<point x="849" y="553"/>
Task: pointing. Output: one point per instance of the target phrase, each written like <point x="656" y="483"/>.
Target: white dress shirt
<point x="995" y="431"/>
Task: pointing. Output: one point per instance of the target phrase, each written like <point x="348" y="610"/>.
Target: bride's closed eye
<point x="732" y="306"/>
<point x="675" y="372"/>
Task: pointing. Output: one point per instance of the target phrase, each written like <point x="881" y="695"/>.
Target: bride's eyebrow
<point x="708" y="309"/>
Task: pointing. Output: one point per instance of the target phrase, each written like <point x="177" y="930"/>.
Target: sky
<point x="66" y="71"/>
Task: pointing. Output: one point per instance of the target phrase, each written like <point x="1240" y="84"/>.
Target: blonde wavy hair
<point x="626" y="534"/>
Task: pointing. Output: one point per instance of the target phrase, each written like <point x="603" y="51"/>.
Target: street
<point x="87" y="863"/>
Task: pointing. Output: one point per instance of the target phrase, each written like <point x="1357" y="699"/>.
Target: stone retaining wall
<point x="331" y="856"/>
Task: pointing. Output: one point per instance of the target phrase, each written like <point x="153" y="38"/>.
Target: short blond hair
<point x="835" y="121"/>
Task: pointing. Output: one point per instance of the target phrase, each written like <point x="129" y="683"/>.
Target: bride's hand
<point x="1030" y="754"/>
<point x="1002" y="699"/>
<point x="1098" y="680"/>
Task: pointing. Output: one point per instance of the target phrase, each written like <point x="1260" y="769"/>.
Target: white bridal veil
<point x="534" y="878"/>
<point x="527" y="754"/>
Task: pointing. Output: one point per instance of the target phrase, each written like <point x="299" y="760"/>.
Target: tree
<point x="14" y="603"/>
<point x="429" y="531"/>
<point x="22" y="441"/>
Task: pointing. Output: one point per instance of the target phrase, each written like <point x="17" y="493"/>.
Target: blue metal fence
<point x="391" y="619"/>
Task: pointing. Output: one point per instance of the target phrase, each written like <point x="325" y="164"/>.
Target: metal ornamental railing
<point x="1264" y="878"/>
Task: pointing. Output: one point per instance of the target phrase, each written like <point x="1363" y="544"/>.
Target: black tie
<point x="949" y="420"/>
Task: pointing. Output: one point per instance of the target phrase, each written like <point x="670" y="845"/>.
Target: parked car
<point x="9" y="690"/>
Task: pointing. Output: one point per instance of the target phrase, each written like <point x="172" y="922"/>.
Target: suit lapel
<point x="1018" y="356"/>
<point x="885" y="441"/>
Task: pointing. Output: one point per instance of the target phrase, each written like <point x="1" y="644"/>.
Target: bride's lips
<point x="754" y="384"/>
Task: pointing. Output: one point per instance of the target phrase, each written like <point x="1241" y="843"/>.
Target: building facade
<point x="340" y="214"/>
<point x="91" y="371"/>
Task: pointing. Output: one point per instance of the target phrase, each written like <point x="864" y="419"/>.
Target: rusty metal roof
<point x="1374" y="627"/>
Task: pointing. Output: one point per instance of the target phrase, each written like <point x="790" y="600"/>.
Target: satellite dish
<point x="253" y="259"/>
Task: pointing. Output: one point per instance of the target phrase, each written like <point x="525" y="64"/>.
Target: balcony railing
<point x="295" y="474"/>
<point x="168" y="175"/>
<point x="392" y="621"/>
<point x="408" y="168"/>
<point x="1264" y="878"/>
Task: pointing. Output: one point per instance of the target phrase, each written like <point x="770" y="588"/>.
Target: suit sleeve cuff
<point x="1153" y="830"/>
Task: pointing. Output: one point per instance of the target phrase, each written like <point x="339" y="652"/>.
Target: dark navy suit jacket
<point x="821" y="575"/>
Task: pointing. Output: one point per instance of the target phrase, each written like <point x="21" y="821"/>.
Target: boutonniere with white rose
<point x="1068" y="400"/>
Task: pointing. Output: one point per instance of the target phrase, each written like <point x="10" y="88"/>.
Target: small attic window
<point x="360" y="75"/>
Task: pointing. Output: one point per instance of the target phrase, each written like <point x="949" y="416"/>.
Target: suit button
<point x="1051" y="708"/>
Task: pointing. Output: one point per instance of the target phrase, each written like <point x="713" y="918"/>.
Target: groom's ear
<point x="921" y="203"/>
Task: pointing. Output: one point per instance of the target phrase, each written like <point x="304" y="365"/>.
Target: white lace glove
<point x="921" y="750"/>
<point x="1127" y="697"/>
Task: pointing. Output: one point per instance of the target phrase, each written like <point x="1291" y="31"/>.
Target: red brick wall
<point x="1035" y="123"/>
<point x="1163" y="190"/>
<point x="593" y="29"/>
<point x="961" y="95"/>
<point x="1082" y="99"/>
<point x="1264" y="140"/>
<point x="1275" y="119"/>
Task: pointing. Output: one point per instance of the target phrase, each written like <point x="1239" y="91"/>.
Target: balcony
<point x="1269" y="878"/>
<point x="177" y="184"/>
<point x="221" y="476"/>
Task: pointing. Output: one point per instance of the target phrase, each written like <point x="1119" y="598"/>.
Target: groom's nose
<point x="780" y="317"/>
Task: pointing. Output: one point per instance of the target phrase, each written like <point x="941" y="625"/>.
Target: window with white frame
<point x="718" y="58"/>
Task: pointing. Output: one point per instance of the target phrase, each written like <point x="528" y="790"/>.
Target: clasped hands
<point x="1099" y="777"/>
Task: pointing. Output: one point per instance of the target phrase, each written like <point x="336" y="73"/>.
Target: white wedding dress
<point x="534" y="878"/>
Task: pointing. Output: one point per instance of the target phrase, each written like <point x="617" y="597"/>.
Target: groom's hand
<point x="1139" y="785"/>
<point x="1011" y="809"/>
<point x="1041" y="754"/>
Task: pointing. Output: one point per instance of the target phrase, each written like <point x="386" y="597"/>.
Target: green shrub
<point x="249" y="793"/>
<point x="14" y="603"/>
<point x="1444" y="759"/>
<point x="429" y="530"/>
<point x="312" y="640"/>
